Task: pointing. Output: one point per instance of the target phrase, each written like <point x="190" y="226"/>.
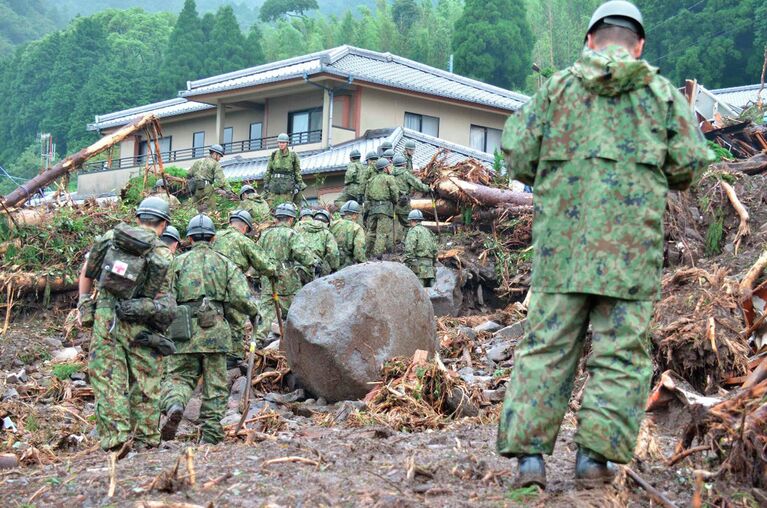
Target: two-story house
<point x="329" y="103"/>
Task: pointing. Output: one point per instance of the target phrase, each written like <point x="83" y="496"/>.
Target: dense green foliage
<point x="25" y="20"/>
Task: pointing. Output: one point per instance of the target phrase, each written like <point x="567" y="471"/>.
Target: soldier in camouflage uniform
<point x="125" y="366"/>
<point x="421" y="250"/>
<point x="601" y="143"/>
<point x="349" y="235"/>
<point x="160" y="192"/>
<point x="283" y="182"/>
<point x="171" y="238"/>
<point x="388" y="155"/>
<point x="409" y="152"/>
<point x="370" y="170"/>
<point x="305" y="219"/>
<point x="287" y="249"/>
<point x="407" y="183"/>
<point x="238" y="248"/>
<point x="381" y="195"/>
<point x="355" y="172"/>
<point x="208" y="285"/>
<point x="205" y="178"/>
<point x="383" y="147"/>
<point x="254" y="204"/>
<point x="317" y="236"/>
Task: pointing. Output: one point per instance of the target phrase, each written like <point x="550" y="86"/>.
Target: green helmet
<point x="306" y="212"/>
<point x="244" y="216"/>
<point x="285" y="210"/>
<point x="216" y="149"/>
<point x="415" y="215"/>
<point x="322" y="215"/>
<point x="283" y="138"/>
<point x="172" y="233"/>
<point x="389" y="154"/>
<point x="399" y="160"/>
<point x="200" y="225"/>
<point x="618" y="13"/>
<point x="350" y="207"/>
<point x="382" y="164"/>
<point x="247" y="188"/>
<point x="355" y="154"/>
<point x="409" y="144"/>
<point x="154" y="206"/>
<point x="371" y="156"/>
<point x="386" y="145"/>
<point x="159" y="183"/>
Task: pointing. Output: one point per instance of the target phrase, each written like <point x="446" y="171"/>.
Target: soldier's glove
<point x="165" y="310"/>
<point x="403" y="201"/>
<point x="296" y="189"/>
<point x="158" y="342"/>
<point x="86" y="310"/>
<point x="136" y="310"/>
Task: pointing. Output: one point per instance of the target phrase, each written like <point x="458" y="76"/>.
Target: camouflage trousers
<point x="402" y="224"/>
<point x="237" y="322"/>
<point x="423" y="268"/>
<point x="379" y="234"/>
<point x="268" y="313"/>
<point x="278" y="199"/>
<point x="545" y="365"/>
<point x="184" y="372"/>
<point x="126" y="383"/>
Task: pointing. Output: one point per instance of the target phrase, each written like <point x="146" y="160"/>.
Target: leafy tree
<point x="253" y="46"/>
<point x="493" y="42"/>
<point x="272" y="10"/>
<point x="404" y="14"/>
<point x="226" y="47"/>
<point x="184" y="57"/>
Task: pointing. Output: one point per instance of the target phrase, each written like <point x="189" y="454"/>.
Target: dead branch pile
<point x="697" y="328"/>
<point x="416" y="396"/>
<point x="269" y="371"/>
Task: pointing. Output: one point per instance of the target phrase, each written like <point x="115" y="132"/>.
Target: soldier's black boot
<point x="175" y="414"/>
<point x="532" y="471"/>
<point x="592" y="470"/>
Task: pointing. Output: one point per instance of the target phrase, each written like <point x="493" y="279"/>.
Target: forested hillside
<point x="120" y="58"/>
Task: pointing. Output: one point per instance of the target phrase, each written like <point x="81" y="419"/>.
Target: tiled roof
<point x="370" y="66"/>
<point x="740" y="96"/>
<point x="337" y="158"/>
<point x="172" y="107"/>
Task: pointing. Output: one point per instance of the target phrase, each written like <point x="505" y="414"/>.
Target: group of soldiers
<point x="164" y="320"/>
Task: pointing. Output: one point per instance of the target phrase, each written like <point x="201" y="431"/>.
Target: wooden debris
<point x="654" y="493"/>
<point x="743" y="229"/>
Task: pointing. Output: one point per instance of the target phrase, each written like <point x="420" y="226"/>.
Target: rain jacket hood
<point x="612" y="71"/>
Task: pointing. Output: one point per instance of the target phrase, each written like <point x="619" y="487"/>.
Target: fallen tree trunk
<point x="475" y="194"/>
<point x="64" y="167"/>
<point x="23" y="282"/>
<point x="752" y="166"/>
<point x="445" y="208"/>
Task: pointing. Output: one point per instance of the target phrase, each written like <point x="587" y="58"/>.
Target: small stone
<point x="10" y="393"/>
<point x="467" y="374"/>
<point x="78" y="376"/>
<point x="64" y="355"/>
<point x="230" y="419"/>
<point x="461" y="404"/>
<point x="273" y="346"/>
<point x="8" y="461"/>
<point x="285" y="398"/>
<point x="515" y="331"/>
<point x="8" y="424"/>
<point x="17" y="378"/>
<point x="488" y="326"/>
<point x="322" y="402"/>
<point x="17" y="363"/>
<point x="500" y="352"/>
<point x="238" y="388"/>
<point x="469" y="332"/>
<point x="310" y="401"/>
<point x="53" y="342"/>
<point x="192" y="409"/>
<point x="232" y="375"/>
<point x="495" y="395"/>
<point x="79" y="384"/>
<point x="36" y="375"/>
<point x="729" y="248"/>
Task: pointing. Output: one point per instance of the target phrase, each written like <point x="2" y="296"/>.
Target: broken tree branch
<point x="743" y="229"/>
<point x="655" y="494"/>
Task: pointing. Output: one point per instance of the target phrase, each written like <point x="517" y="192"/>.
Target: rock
<point x="8" y="461"/>
<point x="10" y="393"/>
<point x="53" y="342"/>
<point x="495" y="395"/>
<point x="446" y="295"/>
<point x="322" y="402"/>
<point x="343" y="327"/>
<point x="460" y="403"/>
<point x="285" y="398"/>
<point x="78" y="376"/>
<point x="273" y="345"/>
<point x="79" y="384"/>
<point x="469" y="332"/>
<point x="500" y="352"/>
<point x="238" y="388"/>
<point x="467" y="374"/>
<point x="232" y="418"/>
<point x="17" y="378"/>
<point x="8" y="424"/>
<point x="192" y="409"/>
<point x="346" y="408"/>
<point x="515" y="331"/>
<point x="232" y="375"/>
<point x="488" y="326"/>
<point x="64" y="355"/>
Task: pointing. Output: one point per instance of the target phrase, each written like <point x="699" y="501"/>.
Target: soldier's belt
<point x="194" y="305"/>
<point x="282" y="175"/>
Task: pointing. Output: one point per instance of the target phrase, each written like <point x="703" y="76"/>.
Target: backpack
<point x="125" y="265"/>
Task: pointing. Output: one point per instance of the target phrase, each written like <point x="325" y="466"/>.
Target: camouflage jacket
<point x="243" y="252"/>
<point x="289" y="252"/>
<point x="420" y="244"/>
<point x="209" y="170"/>
<point x="283" y="173"/>
<point x="350" y="238"/>
<point x="355" y="172"/>
<point x="381" y="194"/>
<point x="322" y="242"/>
<point x="408" y="162"/>
<point x="602" y="142"/>
<point x="172" y="200"/>
<point x="204" y="273"/>
<point x="257" y="207"/>
<point x="369" y="170"/>
<point x="407" y="182"/>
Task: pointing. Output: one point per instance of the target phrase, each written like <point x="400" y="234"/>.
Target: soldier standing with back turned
<point x="601" y="142"/>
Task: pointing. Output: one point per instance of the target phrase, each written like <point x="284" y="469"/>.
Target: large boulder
<point x="343" y="327"/>
<point x="446" y="295"/>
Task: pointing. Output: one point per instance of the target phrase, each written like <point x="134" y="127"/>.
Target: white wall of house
<point x="279" y="107"/>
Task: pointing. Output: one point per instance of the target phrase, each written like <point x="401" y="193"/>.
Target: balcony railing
<point x="185" y="154"/>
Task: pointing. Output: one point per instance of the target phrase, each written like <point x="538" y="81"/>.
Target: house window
<point x="145" y="148"/>
<point x="256" y="134"/>
<point x="484" y="139"/>
<point x="422" y="123"/>
<point x="228" y="138"/>
<point x="303" y="125"/>
<point x="198" y="143"/>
